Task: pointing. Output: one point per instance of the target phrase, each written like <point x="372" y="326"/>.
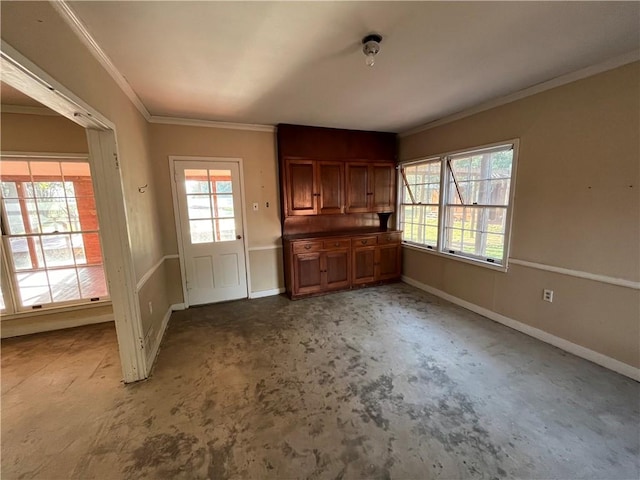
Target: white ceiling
<point x="301" y="62"/>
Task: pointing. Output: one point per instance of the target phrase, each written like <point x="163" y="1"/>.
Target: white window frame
<point x="445" y="174"/>
<point x="10" y="285"/>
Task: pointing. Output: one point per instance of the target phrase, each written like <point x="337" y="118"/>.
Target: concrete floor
<point x="387" y="382"/>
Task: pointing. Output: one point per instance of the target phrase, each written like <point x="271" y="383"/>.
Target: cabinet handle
<point x="370" y="193"/>
<point x="364" y="242"/>
<point x="337" y="244"/>
<point x="316" y="194"/>
<point x="307" y="247"/>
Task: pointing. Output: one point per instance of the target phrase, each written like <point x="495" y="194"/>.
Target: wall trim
<point x="178" y="306"/>
<point x="620" y="282"/>
<point x="152" y="352"/>
<point x="76" y="25"/>
<point x="16" y="327"/>
<point x="29" y="110"/>
<point x="268" y="247"/>
<point x="188" y="122"/>
<point x="610" y="64"/>
<point x="266" y="293"/>
<point x="152" y="270"/>
<point x="561" y="343"/>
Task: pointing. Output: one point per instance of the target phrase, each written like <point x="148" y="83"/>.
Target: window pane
<point x="419" y="224"/>
<point x="33" y="288"/>
<point x="199" y="206"/>
<point x="26" y="253"/>
<point x="9" y="190"/>
<point x="2" y="304"/>
<point x="86" y="211"/>
<point x="64" y="284"/>
<point x="201" y="231"/>
<point x="453" y="239"/>
<point x="226" y="230"/>
<point x="57" y="250"/>
<point x="74" y="215"/>
<point x="54" y="215"/>
<point x="501" y="164"/>
<point x="32" y="214"/>
<point x="494" y="246"/>
<point x="196" y="181"/>
<point x="220" y="181"/>
<point x="14" y="217"/>
<point x="42" y="196"/>
<point x="92" y="282"/>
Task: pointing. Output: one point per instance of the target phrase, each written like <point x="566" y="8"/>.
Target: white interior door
<point x="211" y="229"/>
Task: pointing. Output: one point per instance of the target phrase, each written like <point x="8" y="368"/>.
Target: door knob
<point x="239" y="237"/>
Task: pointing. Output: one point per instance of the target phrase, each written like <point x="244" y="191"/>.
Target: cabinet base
<point x="352" y="287"/>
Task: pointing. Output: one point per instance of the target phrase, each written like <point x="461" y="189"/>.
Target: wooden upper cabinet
<point x="301" y="187"/>
<point x="328" y="171"/>
<point x="370" y="187"/>
<point x="331" y="187"/>
<point x="357" y="188"/>
<point x="383" y="183"/>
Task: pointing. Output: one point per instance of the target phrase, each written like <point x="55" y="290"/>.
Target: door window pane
<point x="226" y="229"/>
<point x="196" y="181"/>
<point x="201" y="231"/>
<point x="199" y="206"/>
<point x="223" y="205"/>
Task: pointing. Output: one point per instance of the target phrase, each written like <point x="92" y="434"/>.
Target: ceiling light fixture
<point x="371" y="47"/>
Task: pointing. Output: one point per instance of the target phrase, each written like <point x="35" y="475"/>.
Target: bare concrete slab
<point x="387" y="382"/>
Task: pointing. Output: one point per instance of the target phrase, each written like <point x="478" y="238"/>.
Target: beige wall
<point x="577" y="207"/>
<point x="258" y="153"/>
<point x="41" y="133"/>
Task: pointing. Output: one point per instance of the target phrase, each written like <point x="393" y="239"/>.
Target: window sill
<point x="53" y="310"/>
<point x="452" y="256"/>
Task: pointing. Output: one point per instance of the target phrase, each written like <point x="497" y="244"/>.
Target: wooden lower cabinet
<point x="314" y="266"/>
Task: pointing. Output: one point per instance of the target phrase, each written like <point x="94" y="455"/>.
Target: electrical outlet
<point x="150" y="308"/>
<point x="547" y="295"/>
<point x="255" y="206"/>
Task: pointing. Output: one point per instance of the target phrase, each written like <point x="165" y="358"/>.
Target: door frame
<point x="22" y="74"/>
<point x="176" y="215"/>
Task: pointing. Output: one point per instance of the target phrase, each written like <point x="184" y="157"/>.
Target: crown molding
<point x="76" y="25"/>
<point x="28" y="110"/>
<point x="187" y="122"/>
<point x="610" y="64"/>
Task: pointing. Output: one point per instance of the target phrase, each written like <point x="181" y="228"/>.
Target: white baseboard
<point x="578" y="350"/>
<point x="178" y="306"/>
<point x="266" y="293"/>
<point x="25" y="326"/>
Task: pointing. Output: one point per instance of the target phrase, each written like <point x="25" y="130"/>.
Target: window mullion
<point x="444" y="195"/>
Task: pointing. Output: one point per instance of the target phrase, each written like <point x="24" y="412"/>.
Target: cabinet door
<point x="331" y="187"/>
<point x="337" y="269"/>
<point x="307" y="273"/>
<point x="357" y="188"/>
<point x="382" y="187"/>
<point x="363" y="270"/>
<point x="301" y="187"/>
<point x="389" y="261"/>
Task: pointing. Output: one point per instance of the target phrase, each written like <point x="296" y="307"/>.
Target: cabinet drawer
<point x="365" y="241"/>
<point x="336" y="243"/>
<point x="302" y="247"/>
<point x="391" y="237"/>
